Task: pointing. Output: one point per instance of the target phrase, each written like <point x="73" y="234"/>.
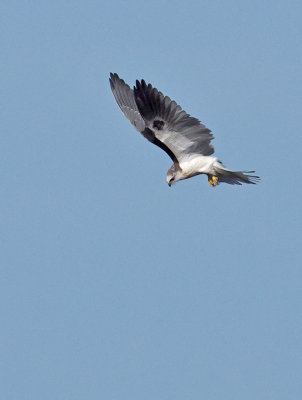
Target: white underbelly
<point x="198" y="165"/>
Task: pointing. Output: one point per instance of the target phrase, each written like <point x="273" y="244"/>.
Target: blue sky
<point x="113" y="285"/>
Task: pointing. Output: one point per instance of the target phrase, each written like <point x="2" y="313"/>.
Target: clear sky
<point x="113" y="285"/>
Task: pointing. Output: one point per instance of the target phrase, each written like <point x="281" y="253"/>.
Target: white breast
<point x="197" y="164"/>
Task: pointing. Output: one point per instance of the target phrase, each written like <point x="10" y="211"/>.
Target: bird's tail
<point x="234" y="177"/>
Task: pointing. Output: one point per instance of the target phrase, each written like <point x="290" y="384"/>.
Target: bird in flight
<point x="184" y="138"/>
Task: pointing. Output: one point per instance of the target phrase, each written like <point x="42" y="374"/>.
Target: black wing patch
<point x="149" y="135"/>
<point x="179" y="131"/>
<point x="158" y="124"/>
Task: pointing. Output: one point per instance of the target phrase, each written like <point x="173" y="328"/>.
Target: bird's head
<point x="174" y="174"/>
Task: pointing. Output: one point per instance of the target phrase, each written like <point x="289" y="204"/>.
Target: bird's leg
<point x="213" y="180"/>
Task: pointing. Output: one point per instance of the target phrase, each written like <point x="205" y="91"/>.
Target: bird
<point x="185" y="139"/>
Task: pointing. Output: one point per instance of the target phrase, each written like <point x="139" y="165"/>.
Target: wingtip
<point x="114" y="75"/>
<point x="115" y="80"/>
<point x="111" y="78"/>
<point x="141" y="84"/>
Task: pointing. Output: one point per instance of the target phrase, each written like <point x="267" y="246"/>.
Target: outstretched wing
<point x="181" y="133"/>
<point x="124" y="97"/>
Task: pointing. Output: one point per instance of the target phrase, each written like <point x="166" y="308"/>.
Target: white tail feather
<point x="234" y="177"/>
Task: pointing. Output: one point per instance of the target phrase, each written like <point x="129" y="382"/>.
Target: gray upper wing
<point x="124" y="97"/>
<point x="181" y="133"/>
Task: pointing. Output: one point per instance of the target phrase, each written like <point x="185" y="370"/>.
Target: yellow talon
<point x="213" y="180"/>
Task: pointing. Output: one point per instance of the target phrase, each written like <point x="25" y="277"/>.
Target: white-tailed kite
<point x="184" y="138"/>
